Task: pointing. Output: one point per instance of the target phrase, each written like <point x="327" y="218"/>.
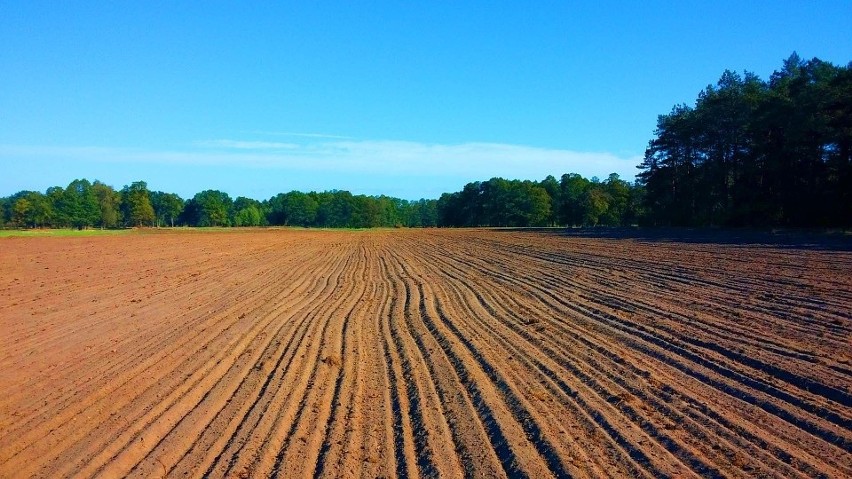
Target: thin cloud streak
<point x="381" y="158"/>
<point x="246" y="145"/>
<point x="303" y="135"/>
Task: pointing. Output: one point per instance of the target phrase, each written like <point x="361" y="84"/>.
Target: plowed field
<point x="422" y="353"/>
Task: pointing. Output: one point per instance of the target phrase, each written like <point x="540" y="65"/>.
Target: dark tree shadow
<point x="785" y="239"/>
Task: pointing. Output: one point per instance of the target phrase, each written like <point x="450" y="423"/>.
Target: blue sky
<point x="410" y="99"/>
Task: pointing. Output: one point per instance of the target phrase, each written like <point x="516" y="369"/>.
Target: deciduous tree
<point x="136" y="204"/>
<point x="109" y="205"/>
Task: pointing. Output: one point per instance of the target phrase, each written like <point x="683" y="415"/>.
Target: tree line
<point x="756" y="153"/>
<point x="572" y="200"/>
<point x="85" y="204"/>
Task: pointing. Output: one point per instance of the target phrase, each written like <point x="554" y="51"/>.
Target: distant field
<point x="111" y="232"/>
<point x="406" y="353"/>
<point x="60" y="232"/>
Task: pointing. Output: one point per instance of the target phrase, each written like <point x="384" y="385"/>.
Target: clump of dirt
<point x="332" y="360"/>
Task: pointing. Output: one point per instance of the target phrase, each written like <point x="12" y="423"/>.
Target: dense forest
<point x="570" y="201"/>
<point x="756" y="153"/>
<point x="749" y="153"/>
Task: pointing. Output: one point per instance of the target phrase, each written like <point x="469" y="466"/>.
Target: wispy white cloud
<point x="246" y="145"/>
<point x="301" y="135"/>
<point x="479" y="160"/>
<point x="381" y="158"/>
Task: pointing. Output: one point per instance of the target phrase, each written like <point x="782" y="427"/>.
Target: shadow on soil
<point x="784" y="239"/>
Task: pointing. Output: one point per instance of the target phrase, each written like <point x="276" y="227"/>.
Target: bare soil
<point x="421" y="353"/>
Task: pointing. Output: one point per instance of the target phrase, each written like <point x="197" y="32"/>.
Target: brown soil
<point x="422" y="353"/>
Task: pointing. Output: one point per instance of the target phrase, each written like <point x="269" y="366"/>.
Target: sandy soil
<point x="422" y="353"/>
